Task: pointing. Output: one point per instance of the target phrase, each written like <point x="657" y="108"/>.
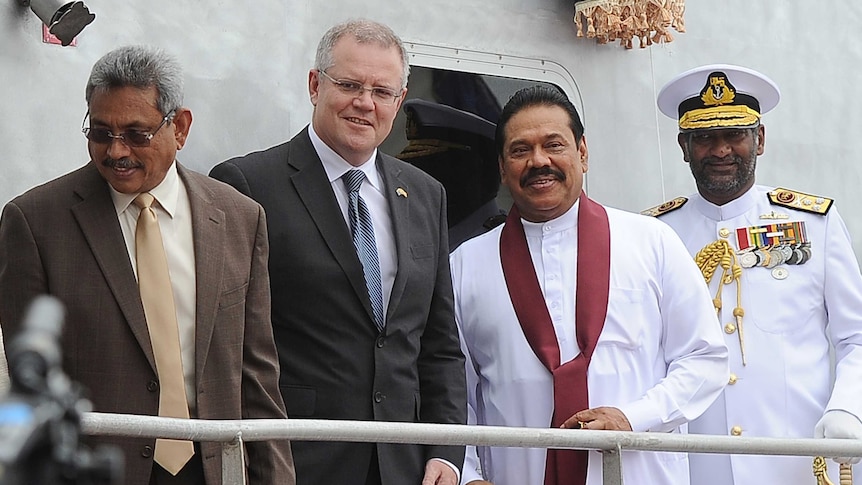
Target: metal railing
<point x="232" y="433"/>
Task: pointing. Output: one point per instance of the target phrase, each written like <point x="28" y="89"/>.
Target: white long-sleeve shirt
<point x="660" y="358"/>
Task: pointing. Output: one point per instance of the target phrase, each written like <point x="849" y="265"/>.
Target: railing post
<point x="233" y="461"/>
<point x="612" y="466"/>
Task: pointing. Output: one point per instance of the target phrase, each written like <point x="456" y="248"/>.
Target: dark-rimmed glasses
<point x="356" y="89"/>
<point x="132" y="138"/>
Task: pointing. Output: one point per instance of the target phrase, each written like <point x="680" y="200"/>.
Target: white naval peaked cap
<point x="718" y="96"/>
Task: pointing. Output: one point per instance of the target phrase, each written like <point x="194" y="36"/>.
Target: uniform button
<point x="780" y="273"/>
<point x="736" y="431"/>
<point x="729" y="328"/>
<point x="732" y="379"/>
<point x="724" y="232"/>
<point x="147" y="451"/>
<point x="379" y="397"/>
<point x="381" y="342"/>
<point x="153" y="386"/>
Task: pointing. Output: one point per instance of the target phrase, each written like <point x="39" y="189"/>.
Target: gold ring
<point x="582" y="425"/>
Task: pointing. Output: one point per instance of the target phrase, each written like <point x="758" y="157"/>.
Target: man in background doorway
<point x="456" y="148"/>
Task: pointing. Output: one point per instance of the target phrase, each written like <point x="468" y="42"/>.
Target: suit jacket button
<point x="379" y="397"/>
<point x="147" y="451"/>
<point x="381" y="342"/>
<point x="153" y="386"/>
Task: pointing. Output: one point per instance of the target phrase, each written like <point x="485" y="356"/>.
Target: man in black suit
<point x="368" y="337"/>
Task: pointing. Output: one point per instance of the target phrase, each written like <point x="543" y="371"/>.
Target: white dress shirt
<point x="372" y="192"/>
<point x="554" y="251"/>
<point x="175" y="223"/>
<point x="660" y="358"/>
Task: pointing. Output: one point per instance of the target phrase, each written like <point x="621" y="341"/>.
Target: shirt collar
<point x="336" y="166"/>
<point x="567" y="221"/>
<point x="734" y="208"/>
<point x="166" y="193"/>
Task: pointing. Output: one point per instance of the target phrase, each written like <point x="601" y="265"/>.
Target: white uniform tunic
<point x="791" y="314"/>
<point x="660" y="358"/>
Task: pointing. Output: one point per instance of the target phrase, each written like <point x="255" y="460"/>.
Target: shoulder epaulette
<point x="800" y="201"/>
<point x="668" y="206"/>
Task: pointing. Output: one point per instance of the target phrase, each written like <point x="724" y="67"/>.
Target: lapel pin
<point x="401" y="192"/>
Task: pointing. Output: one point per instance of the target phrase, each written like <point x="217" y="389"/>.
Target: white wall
<point x="239" y="84"/>
<point x="247" y="65"/>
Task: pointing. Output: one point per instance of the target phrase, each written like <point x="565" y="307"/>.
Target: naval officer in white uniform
<point x="789" y="288"/>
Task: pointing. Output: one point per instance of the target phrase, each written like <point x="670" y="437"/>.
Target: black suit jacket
<point x="334" y="363"/>
<point x="63" y="238"/>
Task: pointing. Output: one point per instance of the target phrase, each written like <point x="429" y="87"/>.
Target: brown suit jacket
<point x="63" y="238"/>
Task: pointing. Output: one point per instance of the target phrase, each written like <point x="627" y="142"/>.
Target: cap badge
<point x="718" y="90"/>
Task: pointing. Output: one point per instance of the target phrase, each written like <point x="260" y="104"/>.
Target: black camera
<point x="40" y="417"/>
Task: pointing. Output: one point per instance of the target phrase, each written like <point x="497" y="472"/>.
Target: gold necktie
<point x="154" y="282"/>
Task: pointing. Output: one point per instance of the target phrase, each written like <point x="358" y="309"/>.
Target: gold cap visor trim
<point x="719" y="117"/>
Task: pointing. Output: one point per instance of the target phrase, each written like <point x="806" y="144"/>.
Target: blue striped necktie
<point x="363" y="239"/>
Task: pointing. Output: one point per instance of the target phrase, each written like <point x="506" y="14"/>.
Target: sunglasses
<point x="132" y="138"/>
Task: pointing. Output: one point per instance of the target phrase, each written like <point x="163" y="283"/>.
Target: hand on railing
<point x="841" y="425"/>
<point x="599" y="418"/>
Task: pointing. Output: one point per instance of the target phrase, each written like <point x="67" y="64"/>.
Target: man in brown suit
<point x="75" y="238"/>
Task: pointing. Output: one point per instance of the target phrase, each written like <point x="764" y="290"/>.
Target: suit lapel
<point x="313" y="187"/>
<point x="208" y="233"/>
<point x="396" y="191"/>
<point x="97" y="218"/>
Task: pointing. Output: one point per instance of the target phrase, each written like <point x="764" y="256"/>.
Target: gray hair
<point x="365" y="32"/>
<point x="140" y="67"/>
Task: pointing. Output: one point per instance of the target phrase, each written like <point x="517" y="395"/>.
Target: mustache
<point x="121" y="163"/>
<point x="534" y="173"/>
<point x="730" y="158"/>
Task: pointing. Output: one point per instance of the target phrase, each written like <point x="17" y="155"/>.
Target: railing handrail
<point x="104" y="424"/>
